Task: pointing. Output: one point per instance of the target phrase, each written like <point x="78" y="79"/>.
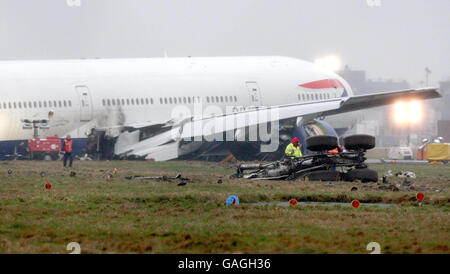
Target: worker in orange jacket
<point x="68" y="149"/>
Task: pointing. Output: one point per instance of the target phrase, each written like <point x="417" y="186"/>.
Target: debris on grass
<point x="406" y="183"/>
<point x="405" y="174"/>
<point x="159" y="178"/>
<point x="232" y="200"/>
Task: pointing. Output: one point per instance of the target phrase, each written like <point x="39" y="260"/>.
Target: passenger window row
<point x="36" y="104"/>
<point x="127" y="101"/>
<point x="167" y="100"/>
<point x="221" y="99"/>
<point x="315" y="96"/>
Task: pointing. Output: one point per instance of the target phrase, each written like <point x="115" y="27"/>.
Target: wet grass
<point x="156" y="216"/>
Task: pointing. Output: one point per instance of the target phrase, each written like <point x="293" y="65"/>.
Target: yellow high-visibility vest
<point x="292" y="151"/>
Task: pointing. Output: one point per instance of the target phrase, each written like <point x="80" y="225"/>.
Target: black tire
<point x="47" y="157"/>
<point x="364" y="175"/>
<point x="359" y="141"/>
<point x="324" y="175"/>
<point x="321" y="143"/>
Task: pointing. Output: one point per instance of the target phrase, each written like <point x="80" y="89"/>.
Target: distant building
<point x="379" y="120"/>
<point x="361" y="85"/>
<point x="444" y="89"/>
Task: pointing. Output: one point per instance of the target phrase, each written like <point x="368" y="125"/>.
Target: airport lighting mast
<point x="35" y="125"/>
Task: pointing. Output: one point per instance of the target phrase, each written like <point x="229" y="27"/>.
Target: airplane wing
<point x="385" y="98"/>
<point x="233" y="124"/>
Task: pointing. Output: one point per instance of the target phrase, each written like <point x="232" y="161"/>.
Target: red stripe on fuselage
<point x="322" y="84"/>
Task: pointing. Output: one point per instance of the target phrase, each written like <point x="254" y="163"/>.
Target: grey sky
<point x="395" y="40"/>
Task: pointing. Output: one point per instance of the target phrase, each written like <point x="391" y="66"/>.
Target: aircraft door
<point x="85" y="99"/>
<point x="255" y="95"/>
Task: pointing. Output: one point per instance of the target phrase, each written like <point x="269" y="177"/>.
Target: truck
<point x="44" y="149"/>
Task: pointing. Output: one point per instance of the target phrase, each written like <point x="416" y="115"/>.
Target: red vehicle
<point x="44" y="149"/>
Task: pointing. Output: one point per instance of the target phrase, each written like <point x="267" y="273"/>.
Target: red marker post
<point x="293" y="202"/>
<point x="420" y="196"/>
<point x="355" y="203"/>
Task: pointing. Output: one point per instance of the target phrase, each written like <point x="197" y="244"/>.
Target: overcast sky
<point x="396" y="39"/>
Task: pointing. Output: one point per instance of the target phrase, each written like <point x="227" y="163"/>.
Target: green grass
<point x="151" y="216"/>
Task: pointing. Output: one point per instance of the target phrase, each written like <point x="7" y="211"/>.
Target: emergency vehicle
<point x="44" y="149"/>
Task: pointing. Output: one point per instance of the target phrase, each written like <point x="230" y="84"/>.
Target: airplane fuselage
<point x="110" y="93"/>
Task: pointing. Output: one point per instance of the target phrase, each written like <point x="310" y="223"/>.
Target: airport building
<point x="444" y="120"/>
<point x="380" y="121"/>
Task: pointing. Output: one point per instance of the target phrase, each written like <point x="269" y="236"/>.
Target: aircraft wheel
<point x="324" y="175"/>
<point x="321" y="142"/>
<point x="359" y="141"/>
<point x="364" y="175"/>
<point x="47" y="157"/>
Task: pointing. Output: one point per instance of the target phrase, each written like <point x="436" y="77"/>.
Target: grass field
<point x="153" y="216"/>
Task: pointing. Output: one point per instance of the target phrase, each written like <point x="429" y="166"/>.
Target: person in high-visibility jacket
<point x="293" y="149"/>
<point x="68" y="148"/>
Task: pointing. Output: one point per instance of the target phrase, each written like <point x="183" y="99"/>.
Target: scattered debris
<point x="85" y="158"/>
<point x="232" y="200"/>
<point x="229" y="158"/>
<point x="347" y="165"/>
<point x="389" y="173"/>
<point x="181" y="184"/>
<point x="386" y="187"/>
<point x="395" y="189"/>
<point x="73" y="174"/>
<point x="405" y="174"/>
<point x="330" y="185"/>
<point x="140" y="177"/>
<point x="109" y="177"/>
<point x="354" y="188"/>
<point x="182" y="178"/>
<point x="406" y="183"/>
<point x="10" y="171"/>
<point x="385" y="181"/>
<point x="43" y="174"/>
<point x="219" y="181"/>
<point x="158" y="178"/>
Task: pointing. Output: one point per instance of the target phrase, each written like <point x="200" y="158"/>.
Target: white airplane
<point x="162" y="108"/>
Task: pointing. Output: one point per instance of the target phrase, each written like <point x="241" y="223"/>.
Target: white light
<point x="414" y="111"/>
<point x="331" y="63"/>
<point x="409" y="112"/>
